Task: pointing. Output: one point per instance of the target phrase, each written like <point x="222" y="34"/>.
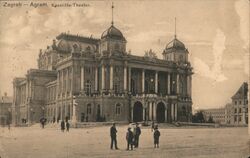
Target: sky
<point x="216" y="34"/>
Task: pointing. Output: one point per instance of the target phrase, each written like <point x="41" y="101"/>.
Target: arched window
<point x="89" y="109"/>
<point x="118" y="109"/>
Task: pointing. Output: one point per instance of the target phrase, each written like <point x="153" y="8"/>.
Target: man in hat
<point x="156" y="137"/>
<point x="129" y="137"/>
<point x="113" y="132"/>
<point x="137" y="135"/>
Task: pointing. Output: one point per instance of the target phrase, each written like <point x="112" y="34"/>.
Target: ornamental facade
<point x="86" y="79"/>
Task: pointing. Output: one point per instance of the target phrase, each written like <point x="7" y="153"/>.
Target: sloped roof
<point x="242" y="92"/>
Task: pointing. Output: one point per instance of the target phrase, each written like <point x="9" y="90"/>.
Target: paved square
<point x="34" y="142"/>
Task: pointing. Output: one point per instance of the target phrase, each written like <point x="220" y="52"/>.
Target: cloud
<point x="147" y="36"/>
<point x="242" y="9"/>
<point x="215" y="72"/>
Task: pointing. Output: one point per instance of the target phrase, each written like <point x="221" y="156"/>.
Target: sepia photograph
<point x="123" y="78"/>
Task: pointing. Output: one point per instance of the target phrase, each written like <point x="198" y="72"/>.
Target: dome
<point x="175" y="44"/>
<point x="114" y="33"/>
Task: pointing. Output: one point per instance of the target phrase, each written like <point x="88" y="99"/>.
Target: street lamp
<point x="43" y="108"/>
<point x="31" y="119"/>
<point x="9" y="117"/>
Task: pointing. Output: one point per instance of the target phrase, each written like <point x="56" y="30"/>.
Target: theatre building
<point x="87" y="79"/>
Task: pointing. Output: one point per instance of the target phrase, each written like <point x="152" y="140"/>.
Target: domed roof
<point x="175" y="43"/>
<point x="113" y="32"/>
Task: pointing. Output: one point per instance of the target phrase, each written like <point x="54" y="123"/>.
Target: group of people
<point x="132" y="137"/>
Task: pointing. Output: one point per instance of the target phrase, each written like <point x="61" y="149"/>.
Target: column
<point x="166" y="114"/>
<point x="125" y="78"/>
<point x="176" y="109"/>
<point x="169" y="85"/>
<point x="144" y="114"/>
<point x="96" y="78"/>
<point x="187" y="82"/>
<point x="103" y="77"/>
<point x="67" y="79"/>
<point x="129" y="79"/>
<point x="190" y="85"/>
<point x="62" y="77"/>
<point x="132" y="117"/>
<point x="150" y="111"/>
<point x="172" y="112"/>
<point x="143" y="80"/>
<point x="156" y="82"/>
<point x="82" y="78"/>
<point x="154" y="111"/>
<point x="111" y="77"/>
<point x="74" y="113"/>
<point x="177" y="84"/>
<point x="61" y="112"/>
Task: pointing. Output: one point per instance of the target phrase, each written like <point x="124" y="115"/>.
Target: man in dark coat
<point x="129" y="137"/>
<point x="137" y="135"/>
<point x="67" y="126"/>
<point x="156" y="137"/>
<point x="113" y="132"/>
<point x="62" y="126"/>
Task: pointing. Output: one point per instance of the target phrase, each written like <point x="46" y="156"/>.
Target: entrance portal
<point x="160" y="112"/>
<point x="137" y="112"/>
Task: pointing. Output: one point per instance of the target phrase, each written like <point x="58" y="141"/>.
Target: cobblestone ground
<point x="34" y="142"/>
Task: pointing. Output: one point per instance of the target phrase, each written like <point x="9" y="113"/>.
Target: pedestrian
<point x="67" y="126"/>
<point x="62" y="125"/>
<point x="137" y="135"/>
<point x="152" y="126"/>
<point x="156" y="137"/>
<point x="113" y="132"/>
<point x="129" y="138"/>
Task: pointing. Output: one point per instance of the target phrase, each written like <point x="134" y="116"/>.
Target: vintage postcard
<point x="120" y="78"/>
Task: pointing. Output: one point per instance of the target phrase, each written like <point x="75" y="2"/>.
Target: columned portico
<point x="96" y="78"/>
<point x="125" y="78"/>
<point x="129" y="79"/>
<point x="169" y="84"/>
<point x="172" y="112"/>
<point x="103" y="77"/>
<point x="156" y="82"/>
<point x="111" y="77"/>
<point x="143" y="81"/>
<point x="82" y="77"/>
<point x="177" y="84"/>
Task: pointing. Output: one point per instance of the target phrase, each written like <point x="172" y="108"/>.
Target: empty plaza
<point x="29" y="142"/>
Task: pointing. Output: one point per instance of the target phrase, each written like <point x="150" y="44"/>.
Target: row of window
<point x="235" y="110"/>
<point x="240" y="102"/>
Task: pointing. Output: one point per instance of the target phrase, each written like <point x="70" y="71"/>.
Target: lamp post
<point x="9" y="117"/>
<point x="43" y="109"/>
<point x="31" y="117"/>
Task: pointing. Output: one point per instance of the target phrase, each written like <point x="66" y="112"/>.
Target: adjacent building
<point x="239" y="109"/>
<point x="235" y="113"/>
<point x="217" y="115"/>
<point x="5" y="109"/>
<point x="87" y="79"/>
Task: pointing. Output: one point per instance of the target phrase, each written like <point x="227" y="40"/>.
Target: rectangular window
<point x="235" y="110"/>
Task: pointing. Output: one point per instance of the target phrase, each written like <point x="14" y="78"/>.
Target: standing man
<point x="137" y="135"/>
<point x="67" y="126"/>
<point x="113" y="132"/>
<point x="129" y="138"/>
<point x="156" y="137"/>
<point x="62" y="125"/>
